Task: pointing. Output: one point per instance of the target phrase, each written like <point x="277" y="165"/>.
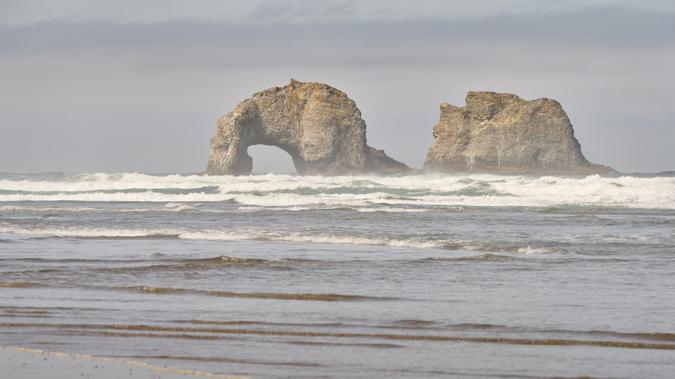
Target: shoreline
<point x="28" y="363"/>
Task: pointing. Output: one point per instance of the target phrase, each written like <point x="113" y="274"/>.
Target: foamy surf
<point x="529" y="250"/>
<point x="223" y="235"/>
<point x="359" y="192"/>
<point x="413" y="241"/>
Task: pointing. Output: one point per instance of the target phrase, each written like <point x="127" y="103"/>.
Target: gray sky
<point x="137" y="85"/>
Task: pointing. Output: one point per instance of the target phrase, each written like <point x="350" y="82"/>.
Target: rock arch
<point x="317" y="125"/>
<point x="271" y="159"/>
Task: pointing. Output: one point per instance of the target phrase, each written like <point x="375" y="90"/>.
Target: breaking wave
<point x="363" y="193"/>
<point x="413" y="241"/>
<point x="218" y="235"/>
<point x="202" y="264"/>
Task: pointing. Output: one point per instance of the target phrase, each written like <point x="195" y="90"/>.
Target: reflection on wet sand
<point x="86" y="328"/>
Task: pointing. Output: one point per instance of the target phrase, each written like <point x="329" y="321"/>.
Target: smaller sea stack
<point x="501" y="133"/>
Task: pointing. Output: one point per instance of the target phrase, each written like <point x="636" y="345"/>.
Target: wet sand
<point x="25" y="363"/>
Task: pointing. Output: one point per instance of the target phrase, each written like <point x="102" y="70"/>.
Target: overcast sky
<point x="137" y="85"/>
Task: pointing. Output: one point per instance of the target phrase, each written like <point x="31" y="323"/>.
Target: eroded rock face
<point x="502" y="133"/>
<point x="317" y="125"/>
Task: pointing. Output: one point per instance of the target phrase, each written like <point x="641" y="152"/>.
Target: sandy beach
<point x="16" y="362"/>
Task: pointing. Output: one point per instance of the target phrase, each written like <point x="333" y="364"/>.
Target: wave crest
<point x="405" y="192"/>
<point x="415" y="241"/>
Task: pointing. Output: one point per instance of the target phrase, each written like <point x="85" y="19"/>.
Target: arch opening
<point x="270" y="159"/>
<point x="317" y="125"/>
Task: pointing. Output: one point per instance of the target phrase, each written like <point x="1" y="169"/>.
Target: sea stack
<point x="503" y="134"/>
<point x="319" y="126"/>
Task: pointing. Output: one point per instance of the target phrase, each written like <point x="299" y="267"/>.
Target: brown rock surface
<point x="504" y="134"/>
<point x="317" y="125"/>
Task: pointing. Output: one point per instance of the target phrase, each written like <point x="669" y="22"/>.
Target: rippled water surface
<point x="287" y="276"/>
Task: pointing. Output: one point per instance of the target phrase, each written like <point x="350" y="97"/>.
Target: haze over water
<point x="289" y="276"/>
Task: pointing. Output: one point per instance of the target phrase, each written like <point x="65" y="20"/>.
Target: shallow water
<point x="287" y="276"/>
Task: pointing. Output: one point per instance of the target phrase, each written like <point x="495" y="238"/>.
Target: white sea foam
<point x="315" y="238"/>
<point x="390" y="210"/>
<point x="534" y="250"/>
<point x="228" y="235"/>
<point x="24" y="208"/>
<point x="393" y="193"/>
<point x="410" y="242"/>
<point x="179" y="207"/>
<point x="86" y="232"/>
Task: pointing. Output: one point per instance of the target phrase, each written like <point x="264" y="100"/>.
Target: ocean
<point x="350" y="277"/>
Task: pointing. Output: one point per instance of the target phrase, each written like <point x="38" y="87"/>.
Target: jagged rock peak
<point x="502" y="133"/>
<point x="319" y="126"/>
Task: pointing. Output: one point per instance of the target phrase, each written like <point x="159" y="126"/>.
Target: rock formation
<point x="502" y="133"/>
<point x="317" y="125"/>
